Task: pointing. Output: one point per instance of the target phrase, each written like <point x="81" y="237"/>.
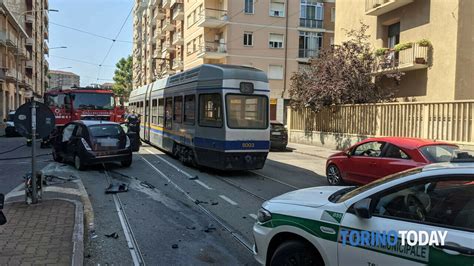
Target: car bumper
<point x="262" y="239"/>
<point x="107" y="157"/>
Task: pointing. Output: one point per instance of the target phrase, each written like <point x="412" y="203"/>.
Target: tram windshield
<point x="247" y="111"/>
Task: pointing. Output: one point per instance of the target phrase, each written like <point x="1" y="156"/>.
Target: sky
<point x="99" y="17"/>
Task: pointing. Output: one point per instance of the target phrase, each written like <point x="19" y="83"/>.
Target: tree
<point x="341" y="75"/>
<point x="123" y="77"/>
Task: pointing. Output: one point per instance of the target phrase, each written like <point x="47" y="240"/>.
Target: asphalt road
<point x="173" y="214"/>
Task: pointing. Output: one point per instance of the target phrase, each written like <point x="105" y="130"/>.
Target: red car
<point x="375" y="158"/>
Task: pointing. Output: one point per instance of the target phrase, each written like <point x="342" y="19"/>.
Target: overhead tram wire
<point x="80" y="61"/>
<point x="113" y="41"/>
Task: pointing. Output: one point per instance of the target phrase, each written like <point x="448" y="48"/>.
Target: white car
<point x="304" y="227"/>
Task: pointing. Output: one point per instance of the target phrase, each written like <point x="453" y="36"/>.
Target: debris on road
<point x="174" y="246"/>
<point x="209" y="228"/>
<point x="147" y="185"/>
<point x="214" y="202"/>
<point x="116" y="188"/>
<point x="197" y="202"/>
<point x="191" y="227"/>
<point x="194" y="178"/>
<point x="50" y="180"/>
<point x="113" y="235"/>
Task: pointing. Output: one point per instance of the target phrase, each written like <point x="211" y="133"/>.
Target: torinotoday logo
<point x="407" y="243"/>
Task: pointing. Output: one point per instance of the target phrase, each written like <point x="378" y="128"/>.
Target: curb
<point x="309" y="154"/>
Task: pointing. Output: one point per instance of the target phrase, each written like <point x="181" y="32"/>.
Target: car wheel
<point x="57" y="157"/>
<point x="126" y="163"/>
<point x="78" y="164"/>
<point x="333" y="175"/>
<point x="295" y="253"/>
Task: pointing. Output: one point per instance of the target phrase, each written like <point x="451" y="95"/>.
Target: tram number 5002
<point x="248" y="145"/>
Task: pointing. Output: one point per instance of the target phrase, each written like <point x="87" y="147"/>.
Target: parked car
<point x="375" y="158"/>
<point x="92" y="142"/>
<point x="308" y="226"/>
<point x="278" y="135"/>
<point x="10" y="130"/>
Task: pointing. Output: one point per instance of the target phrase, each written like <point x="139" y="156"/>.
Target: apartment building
<point x="62" y="79"/>
<point x="431" y="41"/>
<point x="277" y="36"/>
<point x="158" y="39"/>
<point x="23" y="31"/>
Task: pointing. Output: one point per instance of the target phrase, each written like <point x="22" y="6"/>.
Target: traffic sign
<point x="45" y="120"/>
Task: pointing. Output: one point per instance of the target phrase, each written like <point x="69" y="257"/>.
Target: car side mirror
<point x="348" y="153"/>
<point x="362" y="208"/>
<point x="3" y="219"/>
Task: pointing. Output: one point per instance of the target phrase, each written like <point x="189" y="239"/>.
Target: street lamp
<point x="21" y="20"/>
<point x="58" y="47"/>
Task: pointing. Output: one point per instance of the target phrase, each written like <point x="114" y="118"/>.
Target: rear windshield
<point x="11" y="117"/>
<point x="102" y="131"/>
<point x="438" y="153"/>
<point x="278" y="127"/>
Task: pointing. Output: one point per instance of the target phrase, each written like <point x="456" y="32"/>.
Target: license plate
<point x="108" y="142"/>
<point x="276" y="133"/>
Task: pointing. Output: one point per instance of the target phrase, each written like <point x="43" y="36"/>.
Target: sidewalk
<point x="311" y="150"/>
<point x="46" y="233"/>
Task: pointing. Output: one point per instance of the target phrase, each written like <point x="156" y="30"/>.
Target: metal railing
<point x="398" y="59"/>
<point x="211" y="13"/>
<point x="371" y="4"/>
<point x="177" y="37"/>
<point x="177" y="10"/>
<point x="308" y="53"/>
<point x="213" y="47"/>
<point x="311" y="23"/>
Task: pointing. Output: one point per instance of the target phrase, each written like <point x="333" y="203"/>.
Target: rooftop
<point x="60" y="72"/>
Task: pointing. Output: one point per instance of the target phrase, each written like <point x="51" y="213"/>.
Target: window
<point x="210" y="110"/>
<point x="249" y="6"/>
<point x="312" y="14"/>
<point x="189" y="109"/>
<point x="248" y="38"/>
<point x="370" y="149"/>
<point x="189" y="48"/>
<point x="395" y="152"/>
<point x="189" y="21"/>
<point x="444" y="201"/>
<point x="161" y="111"/>
<point x="310" y="44"/>
<point x="275" y="72"/>
<point x="154" y="111"/>
<point x="247" y="111"/>
<point x="168" y="112"/>
<point x="393" y="35"/>
<point x="178" y="109"/>
<point x="67" y="132"/>
<point x="438" y="153"/>
<point x="276" y="40"/>
<point x="333" y="14"/>
<point x="277" y="8"/>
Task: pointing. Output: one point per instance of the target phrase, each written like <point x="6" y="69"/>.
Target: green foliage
<point x="123" y="77"/>
<point x="424" y="43"/>
<point x="381" y="51"/>
<point x="403" y="46"/>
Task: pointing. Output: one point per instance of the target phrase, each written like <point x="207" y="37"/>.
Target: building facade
<point x="271" y="35"/>
<point x="23" y="35"/>
<point x="430" y="41"/>
<point x="61" y="79"/>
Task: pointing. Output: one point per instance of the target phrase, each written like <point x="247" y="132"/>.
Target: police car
<point x="304" y="227"/>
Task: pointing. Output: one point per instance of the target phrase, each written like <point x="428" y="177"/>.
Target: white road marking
<point x="170" y="164"/>
<point x="253" y="216"/>
<point x="228" y="200"/>
<point x="203" y="184"/>
<point x="276" y="180"/>
<point x="17" y="191"/>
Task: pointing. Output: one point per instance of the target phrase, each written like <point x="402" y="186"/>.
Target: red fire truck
<point x="84" y="104"/>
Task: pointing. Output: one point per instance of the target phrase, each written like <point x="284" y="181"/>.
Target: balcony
<point x="46" y="18"/>
<point x="177" y="64"/>
<point x="178" y="13"/>
<point x="212" y="50"/>
<point x="166" y="3"/>
<point x="159" y="14"/>
<point x="311" y="23"/>
<point x="11" y="74"/>
<point x="22" y="53"/>
<point x="29" y="19"/>
<point x="46" y="33"/>
<point x="46" y="48"/>
<point x="46" y="63"/>
<point x="380" y="7"/>
<point x="178" y="39"/>
<point x="168" y="25"/>
<point x="305" y="55"/>
<point x="412" y="58"/>
<point x="30" y="41"/>
<point x="157" y="52"/>
<point x="167" y="47"/>
<point x="159" y="33"/>
<point x="213" y="18"/>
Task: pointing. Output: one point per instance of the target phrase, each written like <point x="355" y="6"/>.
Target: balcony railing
<point x="178" y="39"/>
<point x="177" y="64"/>
<point x="213" y="50"/>
<point x="178" y="13"/>
<point x="379" y="7"/>
<point x="311" y="23"/>
<point x="308" y="53"/>
<point x="46" y="48"/>
<point x="166" y="3"/>
<point x="30" y="41"/>
<point x="159" y="14"/>
<point x="11" y="73"/>
<point x="415" y="57"/>
<point x="213" y="18"/>
<point x="29" y="18"/>
<point x="168" y="25"/>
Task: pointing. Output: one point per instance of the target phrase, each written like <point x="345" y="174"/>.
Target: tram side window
<point x="189" y="109"/>
<point x="161" y="111"/>
<point x="210" y="110"/>
<point x="178" y="109"/>
<point x="168" y="112"/>
<point x="154" y="106"/>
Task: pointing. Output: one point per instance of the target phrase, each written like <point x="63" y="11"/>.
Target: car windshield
<point x="101" y="131"/>
<point x="93" y="101"/>
<point x="352" y="193"/>
<point x="247" y="111"/>
<point x="438" y="153"/>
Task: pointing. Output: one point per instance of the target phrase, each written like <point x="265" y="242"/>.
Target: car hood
<point x="312" y="197"/>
